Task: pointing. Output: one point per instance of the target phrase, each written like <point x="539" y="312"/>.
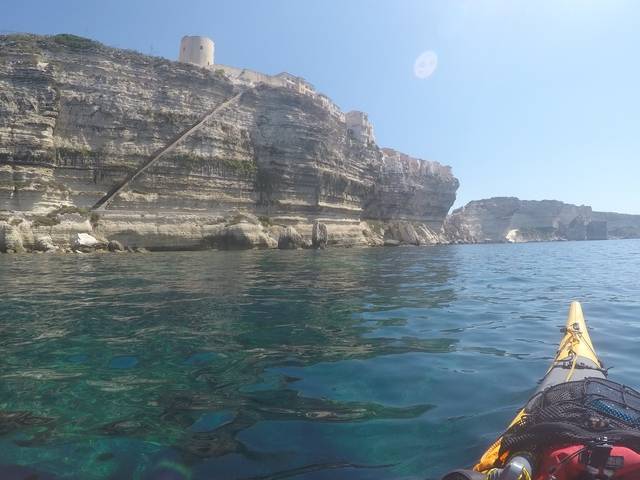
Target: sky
<point x="534" y="99"/>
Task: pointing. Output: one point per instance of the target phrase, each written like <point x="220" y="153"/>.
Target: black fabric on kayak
<point x="584" y="368"/>
<point x="577" y="412"/>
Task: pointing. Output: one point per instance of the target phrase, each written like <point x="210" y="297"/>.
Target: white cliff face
<point x="412" y="189"/>
<point x="508" y="219"/>
<point x="77" y="117"/>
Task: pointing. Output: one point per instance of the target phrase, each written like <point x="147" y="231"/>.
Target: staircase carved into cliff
<point x="104" y="202"/>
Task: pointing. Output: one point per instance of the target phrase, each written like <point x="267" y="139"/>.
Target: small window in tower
<point x="200" y="47"/>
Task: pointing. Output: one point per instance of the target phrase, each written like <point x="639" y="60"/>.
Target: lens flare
<point x="425" y="64"/>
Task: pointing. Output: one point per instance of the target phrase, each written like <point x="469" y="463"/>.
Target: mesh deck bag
<point x="578" y="412"/>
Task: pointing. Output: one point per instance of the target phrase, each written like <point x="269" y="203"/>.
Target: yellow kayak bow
<point x="575" y="359"/>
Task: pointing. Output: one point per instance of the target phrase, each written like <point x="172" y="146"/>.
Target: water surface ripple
<point x="355" y="363"/>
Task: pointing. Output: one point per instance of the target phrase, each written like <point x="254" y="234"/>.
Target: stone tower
<point x="197" y="51"/>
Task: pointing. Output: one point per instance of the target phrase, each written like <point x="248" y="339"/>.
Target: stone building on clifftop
<point x="197" y="50"/>
<point x="359" y="126"/>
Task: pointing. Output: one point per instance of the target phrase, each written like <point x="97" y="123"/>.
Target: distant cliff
<point x="509" y="219"/>
<point x="78" y="119"/>
<point x="619" y="225"/>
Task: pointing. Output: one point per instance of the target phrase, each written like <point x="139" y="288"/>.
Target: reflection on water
<point x="372" y="363"/>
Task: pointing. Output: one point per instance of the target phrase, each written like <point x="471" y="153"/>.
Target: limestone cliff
<point x="509" y="219"/>
<point x="410" y="189"/>
<point x="619" y="225"/>
<point x="78" y="118"/>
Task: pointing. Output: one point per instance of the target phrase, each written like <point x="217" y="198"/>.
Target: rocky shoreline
<point x="73" y="230"/>
<point x="69" y="230"/>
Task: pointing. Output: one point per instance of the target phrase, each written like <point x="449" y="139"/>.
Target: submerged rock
<point x="122" y="427"/>
<point x="20" y="472"/>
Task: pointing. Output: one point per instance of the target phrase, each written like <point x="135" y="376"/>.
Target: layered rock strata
<point x="77" y="118"/>
<point x="509" y="219"/>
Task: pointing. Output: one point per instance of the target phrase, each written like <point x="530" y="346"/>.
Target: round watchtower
<point x="196" y="50"/>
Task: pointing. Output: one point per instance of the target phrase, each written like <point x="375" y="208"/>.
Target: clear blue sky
<point x="535" y="99"/>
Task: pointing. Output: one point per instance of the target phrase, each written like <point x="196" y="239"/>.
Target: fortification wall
<point x="249" y="77"/>
<point x="198" y="50"/>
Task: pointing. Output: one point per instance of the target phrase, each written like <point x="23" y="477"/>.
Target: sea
<point x="362" y="363"/>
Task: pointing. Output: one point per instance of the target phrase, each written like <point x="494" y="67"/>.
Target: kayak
<point x="578" y="425"/>
<point x="575" y="360"/>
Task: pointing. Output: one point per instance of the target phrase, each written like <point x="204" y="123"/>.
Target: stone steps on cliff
<point x="104" y="202"/>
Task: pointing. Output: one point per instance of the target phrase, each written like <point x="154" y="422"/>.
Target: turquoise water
<point x="345" y="363"/>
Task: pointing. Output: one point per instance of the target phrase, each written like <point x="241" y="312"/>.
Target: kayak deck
<point x="575" y="360"/>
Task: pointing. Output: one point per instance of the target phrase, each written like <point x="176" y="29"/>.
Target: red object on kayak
<point x="623" y="462"/>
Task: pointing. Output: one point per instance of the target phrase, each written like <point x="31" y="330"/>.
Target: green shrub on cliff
<point x="69" y="209"/>
<point x="21" y="37"/>
<point x="242" y="167"/>
<point x="188" y="160"/>
<point x="13" y="184"/>
<point x="192" y="161"/>
<point x="66" y="154"/>
<point x="45" y="220"/>
<point x="53" y="218"/>
<point x="27" y="43"/>
<point x="75" y="42"/>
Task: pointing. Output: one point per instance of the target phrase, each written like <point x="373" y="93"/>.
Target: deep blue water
<point x="345" y="363"/>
